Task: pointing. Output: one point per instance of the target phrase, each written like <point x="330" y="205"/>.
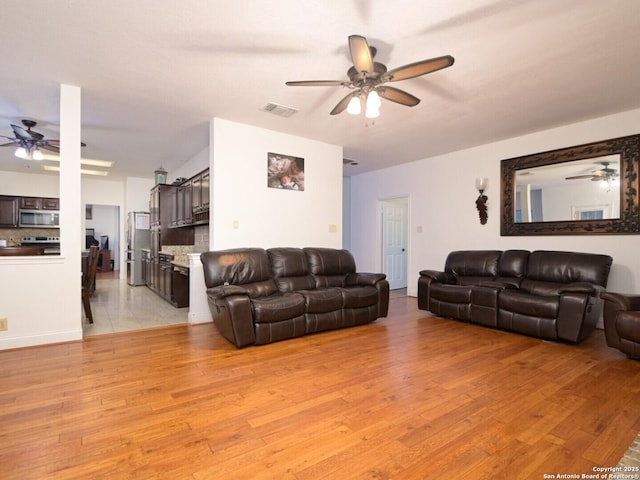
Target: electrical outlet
<point x="4" y="324"/>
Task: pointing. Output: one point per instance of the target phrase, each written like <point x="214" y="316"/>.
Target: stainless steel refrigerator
<point x="138" y="238"/>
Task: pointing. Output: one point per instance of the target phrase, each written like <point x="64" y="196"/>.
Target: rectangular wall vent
<point x="279" y="110"/>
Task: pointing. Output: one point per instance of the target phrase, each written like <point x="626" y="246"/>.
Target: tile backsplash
<point x="14" y="235"/>
<point x="201" y="244"/>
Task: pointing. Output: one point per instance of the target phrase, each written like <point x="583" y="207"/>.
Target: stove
<point x="51" y="244"/>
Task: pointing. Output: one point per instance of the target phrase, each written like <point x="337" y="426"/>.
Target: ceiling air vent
<point x="279" y="110"/>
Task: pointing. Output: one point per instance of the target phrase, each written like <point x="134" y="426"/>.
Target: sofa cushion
<point x="322" y="300"/>
<point x="451" y="293"/>
<point x="329" y="261"/>
<point x="568" y="267"/>
<point x="358" y="297"/>
<point x="477" y="264"/>
<point x="527" y="304"/>
<point x="277" y="307"/>
<point x="240" y="266"/>
<point x="512" y="267"/>
<point x="290" y="269"/>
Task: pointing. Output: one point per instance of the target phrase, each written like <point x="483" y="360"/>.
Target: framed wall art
<point x="285" y="172"/>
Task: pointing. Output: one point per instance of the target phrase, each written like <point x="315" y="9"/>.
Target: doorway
<point x="394" y="233"/>
<point x="103" y="225"/>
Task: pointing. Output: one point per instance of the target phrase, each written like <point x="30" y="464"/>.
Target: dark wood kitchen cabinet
<point x="38" y="203"/>
<point x="163" y="206"/>
<point x="8" y="211"/>
<point x="183" y="212"/>
<point x="180" y="286"/>
<point x="200" y="197"/>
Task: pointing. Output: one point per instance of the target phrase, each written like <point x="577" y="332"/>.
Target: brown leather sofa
<point x="259" y="296"/>
<point x="622" y="322"/>
<point x="547" y="294"/>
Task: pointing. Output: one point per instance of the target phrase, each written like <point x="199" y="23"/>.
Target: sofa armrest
<point x="224" y="291"/>
<point x="232" y="315"/>
<point x="435" y="275"/>
<point x="580" y="287"/>
<point x="364" y="278"/>
<point x="622" y="301"/>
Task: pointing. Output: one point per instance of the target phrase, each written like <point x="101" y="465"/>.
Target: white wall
<point x="442" y="195"/>
<point x="190" y="167"/>
<point x="30" y="184"/>
<point x="137" y="194"/>
<point x="245" y="213"/>
<point x="40" y="296"/>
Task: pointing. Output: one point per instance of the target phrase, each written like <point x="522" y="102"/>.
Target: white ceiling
<point x="153" y="72"/>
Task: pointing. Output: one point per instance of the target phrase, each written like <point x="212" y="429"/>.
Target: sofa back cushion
<point x="559" y="268"/>
<point x="290" y="270"/>
<point x="512" y="267"/>
<point x="329" y="266"/>
<point x="248" y="267"/>
<point x="470" y="267"/>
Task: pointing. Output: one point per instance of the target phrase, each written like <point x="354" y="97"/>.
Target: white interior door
<point x="394" y="241"/>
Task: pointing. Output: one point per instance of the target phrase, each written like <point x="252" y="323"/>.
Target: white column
<point x="70" y="197"/>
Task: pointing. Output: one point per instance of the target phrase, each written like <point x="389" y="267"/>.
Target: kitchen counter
<point x="20" y="251"/>
<point x="180" y="263"/>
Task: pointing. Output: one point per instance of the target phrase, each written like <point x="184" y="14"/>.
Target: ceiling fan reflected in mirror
<point x="367" y="79"/>
<point x="29" y="143"/>
<point x="604" y="174"/>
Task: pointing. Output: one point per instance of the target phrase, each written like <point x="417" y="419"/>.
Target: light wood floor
<point x="407" y="397"/>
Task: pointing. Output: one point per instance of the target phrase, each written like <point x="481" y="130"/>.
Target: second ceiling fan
<point x="367" y="79"/>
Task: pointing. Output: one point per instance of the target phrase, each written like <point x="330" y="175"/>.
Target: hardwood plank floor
<point x="407" y="397"/>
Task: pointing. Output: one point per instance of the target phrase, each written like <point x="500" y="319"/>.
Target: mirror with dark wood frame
<point x="583" y="190"/>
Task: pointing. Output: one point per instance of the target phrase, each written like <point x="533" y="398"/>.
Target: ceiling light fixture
<point x="29" y="153"/>
<point x="84" y="161"/>
<point x="21" y="152"/>
<point x="84" y="171"/>
<point x="355" y="105"/>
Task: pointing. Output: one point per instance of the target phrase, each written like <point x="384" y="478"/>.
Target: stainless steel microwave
<point x="39" y="218"/>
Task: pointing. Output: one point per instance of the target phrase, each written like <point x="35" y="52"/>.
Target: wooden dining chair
<point x="88" y="279"/>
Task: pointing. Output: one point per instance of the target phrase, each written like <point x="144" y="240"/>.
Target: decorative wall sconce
<point x="481" y="201"/>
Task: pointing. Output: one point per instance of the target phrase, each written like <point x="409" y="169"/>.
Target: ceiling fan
<point x="605" y="173"/>
<point x="30" y="143"/>
<point x="367" y="79"/>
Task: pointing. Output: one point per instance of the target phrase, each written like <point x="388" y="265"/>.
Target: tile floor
<point x="119" y="307"/>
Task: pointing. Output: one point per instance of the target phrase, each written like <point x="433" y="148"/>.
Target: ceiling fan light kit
<point x="367" y="77"/>
<point x="30" y="145"/>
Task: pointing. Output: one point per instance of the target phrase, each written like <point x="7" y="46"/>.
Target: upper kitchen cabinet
<point x="200" y="197"/>
<point x="8" y="212"/>
<point x="184" y="211"/>
<point x="37" y="203"/>
<point x="163" y="206"/>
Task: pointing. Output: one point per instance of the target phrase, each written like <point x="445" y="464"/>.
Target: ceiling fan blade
<point x="419" y="68"/>
<point x="26" y="134"/>
<point x="316" y="83"/>
<point x="343" y="104"/>
<point x="360" y="53"/>
<point x="398" y="96"/>
<point x="577" y="177"/>
<point x="15" y="143"/>
<point x="51" y="148"/>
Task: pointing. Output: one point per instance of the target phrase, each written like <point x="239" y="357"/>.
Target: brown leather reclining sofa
<point x="259" y="296"/>
<point x="547" y="294"/>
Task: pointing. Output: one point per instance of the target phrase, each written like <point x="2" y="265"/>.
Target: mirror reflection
<point x="587" y="189"/>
